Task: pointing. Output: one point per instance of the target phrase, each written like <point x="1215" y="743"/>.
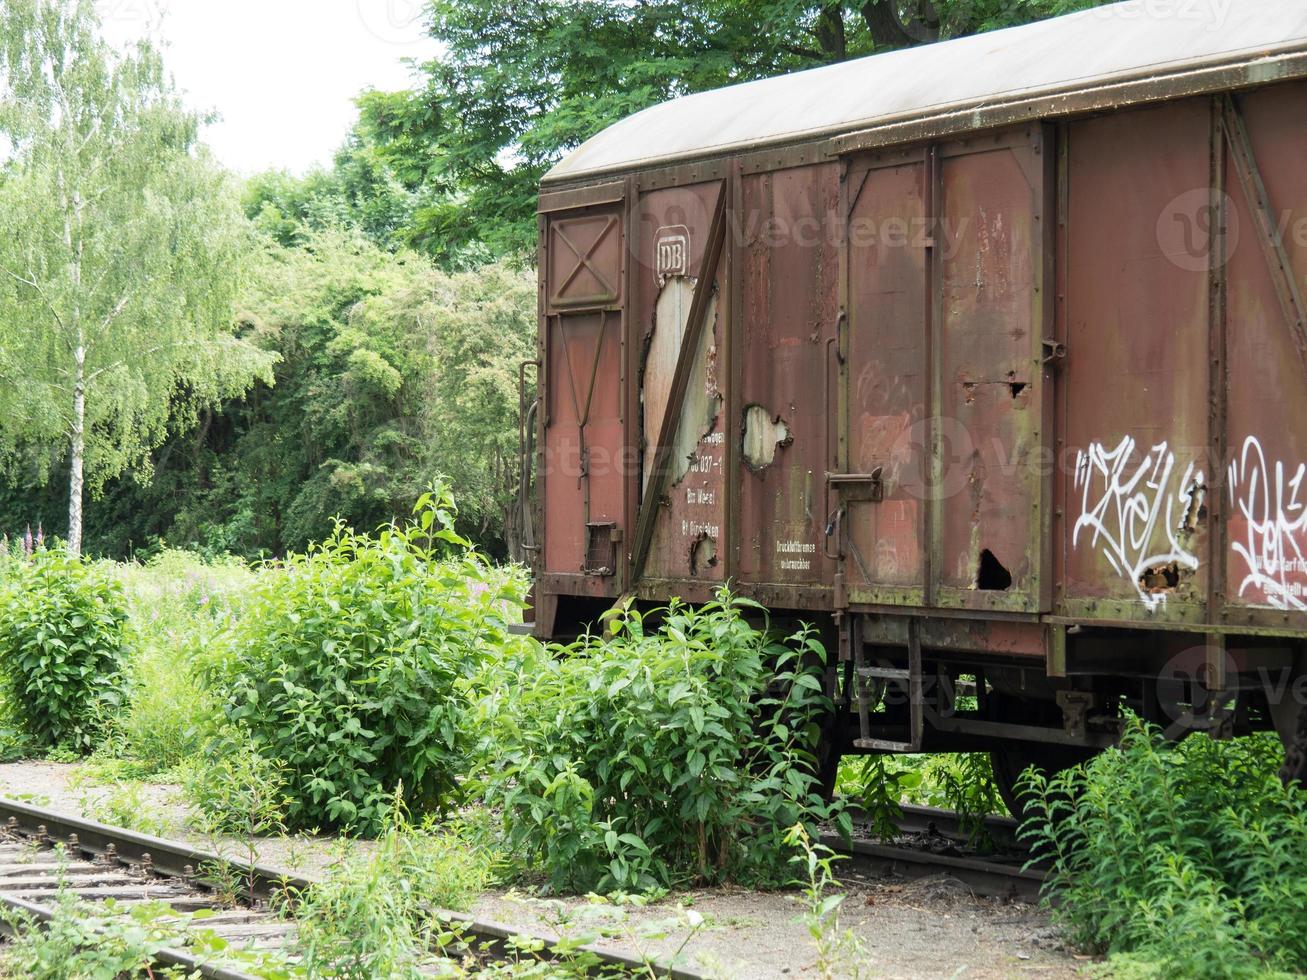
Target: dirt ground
<point x="929" y="928"/>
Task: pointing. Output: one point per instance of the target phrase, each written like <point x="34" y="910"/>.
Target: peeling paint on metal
<point x="763" y="436"/>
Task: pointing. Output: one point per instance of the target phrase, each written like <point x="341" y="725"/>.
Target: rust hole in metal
<point x="1161" y="579"/>
<point x="992" y="576"/>
<point x="1016" y="388"/>
<point x="763" y="435"/>
<point x="703" y="554"/>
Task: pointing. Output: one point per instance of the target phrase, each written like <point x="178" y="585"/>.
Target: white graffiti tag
<point x="1270" y="503"/>
<point x="1125" y="503"/>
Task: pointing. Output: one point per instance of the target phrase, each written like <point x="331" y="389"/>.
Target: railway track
<point x="934" y="842"/>
<point x="45" y="854"/>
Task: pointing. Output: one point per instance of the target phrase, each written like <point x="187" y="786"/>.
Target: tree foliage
<point x="359" y="192"/>
<point x="518" y="85"/>
<point x="121" y="246"/>
<point x="390" y="374"/>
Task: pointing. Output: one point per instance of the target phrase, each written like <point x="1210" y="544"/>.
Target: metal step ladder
<point x="909" y="679"/>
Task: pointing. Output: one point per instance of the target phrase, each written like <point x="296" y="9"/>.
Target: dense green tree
<point x="358" y="191"/>
<point x="121" y="247"/>
<point x="517" y="85"/>
<point x="390" y="373"/>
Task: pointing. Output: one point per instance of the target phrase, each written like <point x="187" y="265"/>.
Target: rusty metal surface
<point x="884" y="543"/>
<point x="990" y="383"/>
<point x="789" y="311"/>
<point x="1134" y="469"/>
<point x="1265" y="496"/>
<point x="883" y="415"/>
<point x="583" y="476"/>
<point x="675" y="227"/>
<point x="583" y="436"/>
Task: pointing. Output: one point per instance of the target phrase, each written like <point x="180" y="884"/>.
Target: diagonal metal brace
<point x="661" y="469"/>
<point x="1268" y="234"/>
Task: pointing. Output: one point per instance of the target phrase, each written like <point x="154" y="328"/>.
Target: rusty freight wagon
<point x="988" y="356"/>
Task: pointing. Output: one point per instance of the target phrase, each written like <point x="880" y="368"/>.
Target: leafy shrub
<point x="351" y="667"/>
<point x="1189" y="856"/>
<point x="235" y="789"/>
<point x="659" y="756"/>
<point x="62" y="634"/>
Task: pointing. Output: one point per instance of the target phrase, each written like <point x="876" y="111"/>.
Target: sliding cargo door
<point x="582" y="424"/>
<point x="881" y="495"/>
<point x="946" y="483"/>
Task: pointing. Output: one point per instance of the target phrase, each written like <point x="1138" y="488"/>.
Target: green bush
<point x="351" y="667"/>
<point x="235" y="789"/>
<point x="658" y="757"/>
<point x="63" y="624"/>
<point x="1189" y="857"/>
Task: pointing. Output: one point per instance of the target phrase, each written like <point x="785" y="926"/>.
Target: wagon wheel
<point x="1011" y="761"/>
<point x="1295" y="754"/>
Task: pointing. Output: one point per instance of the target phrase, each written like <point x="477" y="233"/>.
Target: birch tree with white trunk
<point x="122" y="249"/>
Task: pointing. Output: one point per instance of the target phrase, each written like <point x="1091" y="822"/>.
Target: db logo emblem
<point x="672" y="251"/>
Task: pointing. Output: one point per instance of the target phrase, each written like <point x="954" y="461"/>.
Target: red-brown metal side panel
<point x="672" y="233"/>
<point x="1180" y="458"/>
<point x="988" y="488"/>
<point x="887" y="270"/>
<point x="1134" y="470"/>
<point x="581" y="477"/>
<point x="790" y="307"/>
<point x="573" y="341"/>
<point x="1266" y="475"/>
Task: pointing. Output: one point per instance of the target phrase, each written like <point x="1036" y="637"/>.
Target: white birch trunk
<point x="77" y="434"/>
<point x="77" y="456"/>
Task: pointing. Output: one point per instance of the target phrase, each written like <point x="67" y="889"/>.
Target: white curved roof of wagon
<point x="1079" y="50"/>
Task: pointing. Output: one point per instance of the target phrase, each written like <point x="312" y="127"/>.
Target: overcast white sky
<point x="283" y="73"/>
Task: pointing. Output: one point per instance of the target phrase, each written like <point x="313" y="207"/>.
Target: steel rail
<point x="165" y="859"/>
<point x="1011" y="877"/>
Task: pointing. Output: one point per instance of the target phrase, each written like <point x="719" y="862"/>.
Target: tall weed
<point x="1189" y="855"/>
<point x="374" y="915"/>
<point x="658" y="756"/>
<point x="179" y="606"/>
